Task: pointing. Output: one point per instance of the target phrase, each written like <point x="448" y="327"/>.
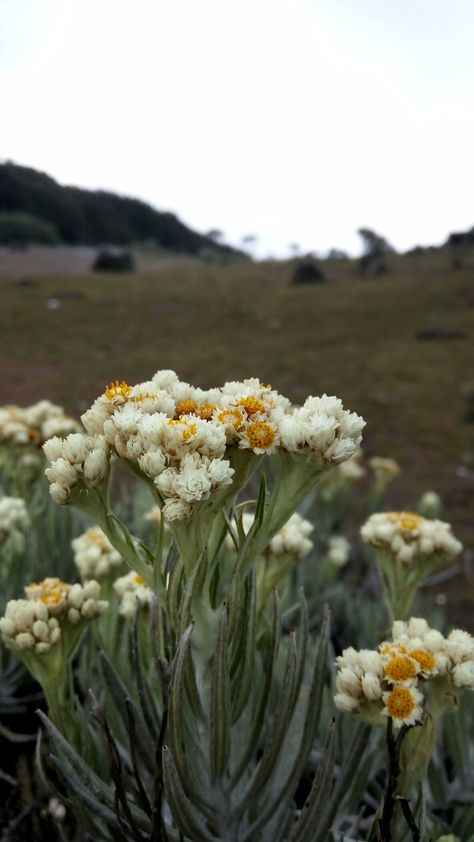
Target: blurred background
<point x="272" y="189"/>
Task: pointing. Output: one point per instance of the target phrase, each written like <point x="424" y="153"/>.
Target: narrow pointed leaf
<point x="220" y="721"/>
<point x="186" y="816"/>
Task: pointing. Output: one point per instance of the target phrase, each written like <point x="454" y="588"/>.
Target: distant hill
<point x="77" y="217"/>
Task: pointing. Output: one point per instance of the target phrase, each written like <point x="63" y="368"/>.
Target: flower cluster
<point x="181" y="438"/>
<point x="339" y="550"/>
<point x="132" y="591"/>
<point x="388" y="682"/>
<point x="94" y="555"/>
<point x="408" y="537"/>
<point x="34" y="424"/>
<point x="36" y="624"/>
<point x="292" y="539"/>
<point x="13" y="516"/>
<point x="75" y="459"/>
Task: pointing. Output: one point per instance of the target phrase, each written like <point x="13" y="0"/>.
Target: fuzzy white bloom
<point x="430" y="504"/>
<point x="13" y="516"/>
<point x="324" y="428"/>
<point x="194" y="481"/>
<point x="13" y="425"/>
<point x="76" y="458"/>
<point x="177" y="509"/>
<point x="408" y="536"/>
<point x="259" y="435"/>
<point x="384" y="468"/>
<point x="37" y="623"/>
<point x="131" y="591"/>
<point x="346" y="703"/>
<point x="339" y="550"/>
<point x="292" y="539"/>
<point x="352" y="469"/>
<point x="59" y="426"/>
<point x="34" y="424"/>
<point x="94" y="555"/>
<point x="29" y="626"/>
<point x="403" y="705"/>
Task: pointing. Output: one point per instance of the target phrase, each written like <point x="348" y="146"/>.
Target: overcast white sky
<point x="295" y="120"/>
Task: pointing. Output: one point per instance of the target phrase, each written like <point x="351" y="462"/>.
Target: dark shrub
<point x="114" y="260"/>
<point x="307" y="271"/>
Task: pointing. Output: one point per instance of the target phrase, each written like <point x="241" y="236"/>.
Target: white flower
<point x="176" y="509"/>
<point x="346" y="703"/>
<point x="404" y="705"/>
<point x="409" y="536"/>
<point x="153" y="462"/>
<point x="292" y="539"/>
<point x="339" y="550"/>
<point x="132" y="591"/>
<point x="13" y="516"/>
<point x="463" y="675"/>
<point x="94" y="555"/>
<point x="27" y="625"/>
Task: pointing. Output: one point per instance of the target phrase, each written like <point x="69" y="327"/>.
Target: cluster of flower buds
<point x="34" y="424"/>
<point x="75" y="460"/>
<point x="396" y="679"/>
<point x="290" y="541"/>
<point x="132" y="591"/>
<point x="37" y="624"/>
<point x="182" y="437"/>
<point x="94" y="555"/>
<point x="408" y="537"/>
<point x="339" y="550"/>
<point x="14" y="517"/>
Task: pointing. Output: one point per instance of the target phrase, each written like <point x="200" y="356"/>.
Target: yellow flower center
<point x="186" y="407"/>
<point x="426" y="660"/>
<point x="117" y="389"/>
<point x="260" y="435"/>
<point x="206" y="410"/>
<point x="252" y="405"/>
<point x="234" y="417"/>
<point x="96" y="536"/>
<point x="144" y="397"/>
<point x="400" y="703"/>
<point x="49" y="591"/>
<point x="408" y="522"/>
<point x="400" y="668"/>
<point x="139" y="580"/>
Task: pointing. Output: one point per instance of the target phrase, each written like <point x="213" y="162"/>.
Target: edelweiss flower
<point x="94" y="555"/>
<point x="132" y="591"/>
<point x="408" y="536"/>
<point x="404" y="705"/>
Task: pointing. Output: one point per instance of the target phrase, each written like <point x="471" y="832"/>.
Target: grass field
<point x="351" y="337"/>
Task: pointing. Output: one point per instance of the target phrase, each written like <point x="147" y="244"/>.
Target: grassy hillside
<point x="355" y="338"/>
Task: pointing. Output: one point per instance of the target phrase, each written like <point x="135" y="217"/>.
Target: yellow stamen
<point x="260" y="435"/>
<point x="251" y="405"/>
<point x="117" y="389"/>
<point x="408" y="522"/>
<point x="144" y="397"/>
<point x="426" y="660"/>
<point x="233" y="417"/>
<point x="400" y="668"/>
<point x="186" y="407"/>
<point x="206" y="410"/>
<point x="139" y="580"/>
<point x="400" y="703"/>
